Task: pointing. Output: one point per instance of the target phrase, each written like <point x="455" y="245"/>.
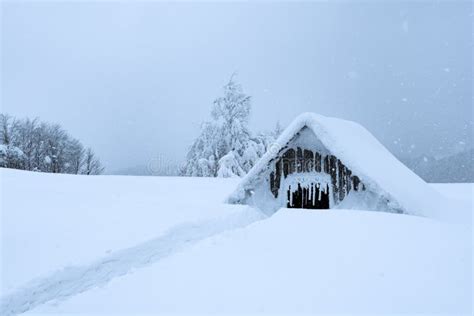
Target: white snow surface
<point x="301" y="262"/>
<point x="361" y="152"/>
<point x="51" y="221"/>
<point x="163" y="245"/>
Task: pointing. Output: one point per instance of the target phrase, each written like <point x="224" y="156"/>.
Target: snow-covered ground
<point x="147" y="245"/>
<point x="52" y="221"/>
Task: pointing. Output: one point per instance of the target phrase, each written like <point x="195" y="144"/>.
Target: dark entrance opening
<point x="311" y="197"/>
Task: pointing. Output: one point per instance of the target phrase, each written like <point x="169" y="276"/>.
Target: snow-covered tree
<point x="11" y="157"/>
<point x="225" y="146"/>
<point x="229" y="166"/>
<point x="231" y="112"/>
<point x="226" y="132"/>
<point x="32" y="145"/>
<point x="74" y="154"/>
<point x="201" y="160"/>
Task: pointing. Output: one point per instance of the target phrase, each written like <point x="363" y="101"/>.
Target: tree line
<point x="225" y="146"/>
<point x="29" y="144"/>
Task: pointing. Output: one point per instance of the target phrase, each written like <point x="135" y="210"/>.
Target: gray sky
<point x="134" y="80"/>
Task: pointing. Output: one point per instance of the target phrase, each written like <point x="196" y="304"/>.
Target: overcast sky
<point x="134" y="80"/>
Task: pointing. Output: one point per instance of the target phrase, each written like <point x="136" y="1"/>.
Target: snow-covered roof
<point x="361" y="152"/>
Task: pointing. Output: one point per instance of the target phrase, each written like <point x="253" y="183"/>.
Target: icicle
<point x="314" y="162"/>
<point x="291" y="195"/>
<point x="302" y="194"/>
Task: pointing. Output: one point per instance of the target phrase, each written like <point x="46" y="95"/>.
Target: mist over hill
<point x="454" y="168"/>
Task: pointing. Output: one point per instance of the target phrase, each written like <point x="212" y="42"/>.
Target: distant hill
<point x="132" y="171"/>
<point x="152" y="169"/>
<point x="455" y="168"/>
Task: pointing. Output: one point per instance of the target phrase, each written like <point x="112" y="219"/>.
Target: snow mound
<point x="361" y="152"/>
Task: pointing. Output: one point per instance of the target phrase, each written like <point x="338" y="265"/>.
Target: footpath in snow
<point x="74" y="280"/>
<point x="300" y="262"/>
<point x="69" y="220"/>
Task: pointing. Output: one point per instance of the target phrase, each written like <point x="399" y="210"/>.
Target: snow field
<point x="141" y="245"/>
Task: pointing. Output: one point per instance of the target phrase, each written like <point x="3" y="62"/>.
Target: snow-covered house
<point x="323" y="163"/>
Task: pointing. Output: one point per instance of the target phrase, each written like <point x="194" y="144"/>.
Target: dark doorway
<point x="311" y="197"/>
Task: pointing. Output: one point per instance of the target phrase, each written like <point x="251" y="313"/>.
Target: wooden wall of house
<point x="303" y="160"/>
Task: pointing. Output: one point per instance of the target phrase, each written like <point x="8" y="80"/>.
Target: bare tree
<point x="6" y="126"/>
<point x="92" y="165"/>
<point x="75" y="154"/>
